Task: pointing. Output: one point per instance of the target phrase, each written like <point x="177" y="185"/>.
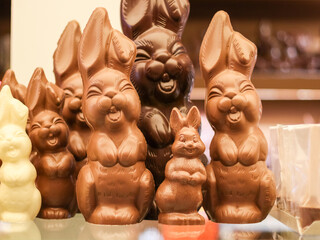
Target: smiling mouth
<point x="80" y="117"/>
<point x="234" y="115"/>
<point x="114" y="114"/>
<point x="167" y="87"/>
<point x="12" y="152"/>
<point x="52" y="140"/>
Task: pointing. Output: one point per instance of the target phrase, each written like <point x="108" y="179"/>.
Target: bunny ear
<point x="12" y="111"/>
<point x="54" y="98"/>
<point x="242" y="55"/>
<point x="136" y="17"/>
<point x="18" y="90"/>
<point x="194" y="118"/>
<point x="173" y="15"/>
<point x="176" y="120"/>
<point x="36" y="92"/>
<point x="91" y="57"/>
<point x="213" y="51"/>
<point x="65" y="61"/>
<point x="121" y="53"/>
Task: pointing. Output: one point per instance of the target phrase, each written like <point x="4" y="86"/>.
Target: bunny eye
<point x="215" y="92"/>
<point x="142" y="55"/>
<point x="68" y="92"/>
<point x="126" y="86"/>
<point x="58" y="120"/>
<point x="20" y="134"/>
<point x="246" y="87"/>
<point x="35" y="126"/>
<point x="178" y="49"/>
<point x="94" y="91"/>
<point x="182" y="138"/>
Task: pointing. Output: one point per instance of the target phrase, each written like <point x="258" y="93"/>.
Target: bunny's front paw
<point x="76" y="146"/>
<point x="129" y="151"/>
<point x="227" y="151"/>
<point x="156" y="129"/>
<point x="249" y="151"/>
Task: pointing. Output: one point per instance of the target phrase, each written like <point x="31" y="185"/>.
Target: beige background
<point x="36" y="26"/>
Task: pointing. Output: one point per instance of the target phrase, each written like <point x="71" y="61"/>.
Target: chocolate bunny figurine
<point x="114" y="187"/>
<point x="69" y="79"/>
<point x="49" y="134"/>
<point x="20" y="200"/>
<point x="162" y="73"/>
<point x="240" y="188"/>
<point x="179" y="196"/>
<point x="18" y="91"/>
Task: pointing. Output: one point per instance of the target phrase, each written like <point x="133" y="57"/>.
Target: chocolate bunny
<point x="114" y="187"/>
<point x="69" y="79"/>
<point x="162" y="73"/>
<point x="49" y="133"/>
<point x="179" y="196"/>
<point x="18" y="91"/>
<point x="20" y="200"/>
<point x="240" y="188"/>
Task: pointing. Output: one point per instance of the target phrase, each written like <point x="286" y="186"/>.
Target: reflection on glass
<point x="110" y="232"/>
<point x="19" y="231"/>
<point x="68" y="229"/>
<point x="208" y="231"/>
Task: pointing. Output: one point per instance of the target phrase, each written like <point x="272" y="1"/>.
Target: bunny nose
<point x="162" y="57"/>
<point x="111" y="93"/>
<point x="230" y="94"/>
<point x="75" y="104"/>
<point x="47" y="124"/>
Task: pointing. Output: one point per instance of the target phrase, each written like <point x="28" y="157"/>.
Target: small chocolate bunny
<point x="162" y="73"/>
<point x="114" y="187"/>
<point x="239" y="188"/>
<point x="49" y="133"/>
<point x="68" y="78"/>
<point x="20" y="200"/>
<point x="179" y="196"/>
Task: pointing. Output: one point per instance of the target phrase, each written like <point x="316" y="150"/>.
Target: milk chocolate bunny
<point x="179" y="196"/>
<point x="49" y="134"/>
<point x="240" y="188"/>
<point x="162" y="73"/>
<point x="114" y="187"/>
<point x="69" y="79"/>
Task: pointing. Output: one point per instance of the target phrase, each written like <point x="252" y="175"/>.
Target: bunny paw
<point x="249" y="152"/>
<point x="54" y="213"/>
<point x="228" y="151"/>
<point x="156" y="129"/>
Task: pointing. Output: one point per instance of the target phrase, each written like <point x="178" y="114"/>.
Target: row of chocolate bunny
<point x="114" y="186"/>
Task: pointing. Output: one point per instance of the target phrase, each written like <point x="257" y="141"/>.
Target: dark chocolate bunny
<point x="49" y="133"/>
<point x="162" y="73"/>
<point x="114" y="187"/>
<point x="240" y="188"/>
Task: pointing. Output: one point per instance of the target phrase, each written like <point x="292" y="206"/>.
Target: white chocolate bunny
<point x="20" y="200"/>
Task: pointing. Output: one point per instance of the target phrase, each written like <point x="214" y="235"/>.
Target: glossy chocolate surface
<point x="68" y="78"/>
<point x="240" y="188"/>
<point x="162" y="73"/>
<point x="114" y="187"/>
<point x="49" y="134"/>
<point x="179" y="196"/>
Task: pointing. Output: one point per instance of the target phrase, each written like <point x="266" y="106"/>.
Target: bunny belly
<point x="56" y="192"/>
<point x="237" y="189"/>
<point x="17" y="199"/>
<point x="118" y="186"/>
<point x="177" y="197"/>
